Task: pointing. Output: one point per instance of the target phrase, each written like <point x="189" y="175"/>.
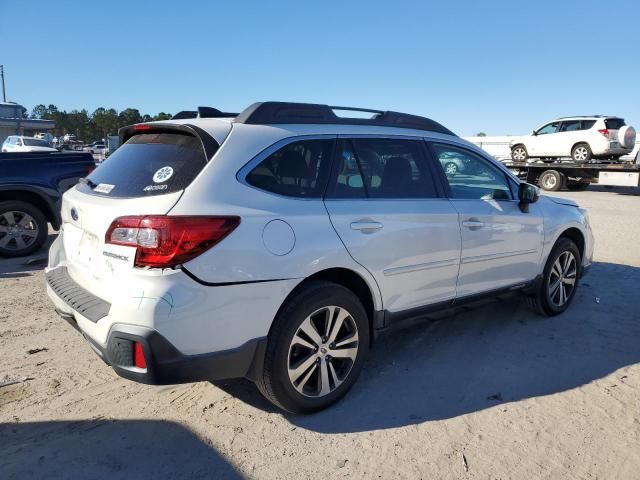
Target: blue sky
<point x="499" y="67"/>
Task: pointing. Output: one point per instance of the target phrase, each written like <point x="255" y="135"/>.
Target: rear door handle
<point x="366" y="226"/>
<point x="473" y="224"/>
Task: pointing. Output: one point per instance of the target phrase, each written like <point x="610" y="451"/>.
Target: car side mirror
<point x="534" y="133"/>
<point x="527" y="194"/>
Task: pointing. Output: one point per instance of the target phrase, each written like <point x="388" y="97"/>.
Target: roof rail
<point x="582" y="116"/>
<point x="203" y="112"/>
<point x="273" y="113"/>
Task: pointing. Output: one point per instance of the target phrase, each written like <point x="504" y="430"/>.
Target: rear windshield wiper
<point x="88" y="182"/>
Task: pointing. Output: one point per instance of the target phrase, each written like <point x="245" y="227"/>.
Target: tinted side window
<point x="382" y="168"/>
<point x="299" y="169"/>
<point x="570" y="126"/>
<point x="614" y="123"/>
<point x="475" y="178"/>
<point x="587" y="124"/>
<point x="549" y="128"/>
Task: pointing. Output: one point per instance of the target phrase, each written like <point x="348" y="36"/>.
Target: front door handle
<point x="366" y="226"/>
<point x="473" y="223"/>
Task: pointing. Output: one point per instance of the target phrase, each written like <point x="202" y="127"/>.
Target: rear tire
<point x="308" y="364"/>
<point x="560" y="279"/>
<point x="519" y="153"/>
<point x="23" y="228"/>
<point x="551" y="180"/>
<point x="581" y="153"/>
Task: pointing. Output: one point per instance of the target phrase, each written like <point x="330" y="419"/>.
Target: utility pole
<point x="4" y="93"/>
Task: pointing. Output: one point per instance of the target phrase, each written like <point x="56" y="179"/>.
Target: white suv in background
<point x="16" y="143"/>
<point x="580" y="138"/>
<point x="276" y="244"/>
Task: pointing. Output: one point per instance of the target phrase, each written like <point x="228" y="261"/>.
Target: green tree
<point x="162" y="116"/>
<point x="481" y="134"/>
<point x="129" y="116"/>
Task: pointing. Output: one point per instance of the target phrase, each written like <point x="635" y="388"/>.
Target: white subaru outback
<point x="276" y="244"/>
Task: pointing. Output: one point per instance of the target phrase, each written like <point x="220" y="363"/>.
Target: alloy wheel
<point x="18" y="230"/>
<point x="323" y="351"/>
<point x="580" y="154"/>
<point x="562" y="279"/>
<point x="519" y="154"/>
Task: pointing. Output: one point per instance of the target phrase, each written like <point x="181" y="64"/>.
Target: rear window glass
<point x="587" y="124"/>
<point x="299" y="169"/>
<point x="614" y="123"/>
<point x="32" y="142"/>
<point x="148" y="164"/>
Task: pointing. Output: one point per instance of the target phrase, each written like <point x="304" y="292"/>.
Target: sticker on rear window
<point x="152" y="188"/>
<point x="163" y="174"/>
<point x="103" y="188"/>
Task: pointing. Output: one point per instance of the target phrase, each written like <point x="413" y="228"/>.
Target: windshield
<point x="34" y="142"/>
<point x="148" y="164"/>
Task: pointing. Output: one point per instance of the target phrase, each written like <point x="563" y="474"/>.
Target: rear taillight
<point x="90" y="169"/>
<point x="604" y="132"/>
<point x="166" y="241"/>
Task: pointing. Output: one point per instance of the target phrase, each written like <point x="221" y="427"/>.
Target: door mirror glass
<point x="534" y="133"/>
<point x="527" y="194"/>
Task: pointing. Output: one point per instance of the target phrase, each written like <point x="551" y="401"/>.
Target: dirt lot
<point x="492" y="393"/>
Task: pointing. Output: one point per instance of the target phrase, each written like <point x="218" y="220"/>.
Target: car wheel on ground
<point x="23" y="228"/>
<point x="519" y="153"/>
<point x="551" y="180"/>
<point x="581" y="153"/>
<point x="559" y="280"/>
<point x="315" y="349"/>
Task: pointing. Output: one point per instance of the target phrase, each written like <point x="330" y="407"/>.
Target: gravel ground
<point x="496" y="392"/>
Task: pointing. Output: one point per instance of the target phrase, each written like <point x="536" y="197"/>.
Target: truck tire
<point x="581" y="153"/>
<point x="551" y="180"/>
<point x="23" y="228"/>
<point x="519" y="153"/>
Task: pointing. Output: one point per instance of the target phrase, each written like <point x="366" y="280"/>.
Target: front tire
<point x="23" y="228"/>
<point x="519" y="153"/>
<point x="316" y="348"/>
<point x="559" y="279"/>
<point x="581" y="153"/>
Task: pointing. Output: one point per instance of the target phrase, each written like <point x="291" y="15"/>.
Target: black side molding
<point x="392" y="318"/>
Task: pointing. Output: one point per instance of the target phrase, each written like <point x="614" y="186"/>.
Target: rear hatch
<point x="145" y="176"/>
<point x="613" y="125"/>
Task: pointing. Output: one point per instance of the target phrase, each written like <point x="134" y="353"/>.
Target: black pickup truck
<point x="31" y="187"/>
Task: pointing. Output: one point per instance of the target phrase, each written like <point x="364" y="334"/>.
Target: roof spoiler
<point x="270" y="113"/>
<point x="203" y="112"/>
<point x="209" y="144"/>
